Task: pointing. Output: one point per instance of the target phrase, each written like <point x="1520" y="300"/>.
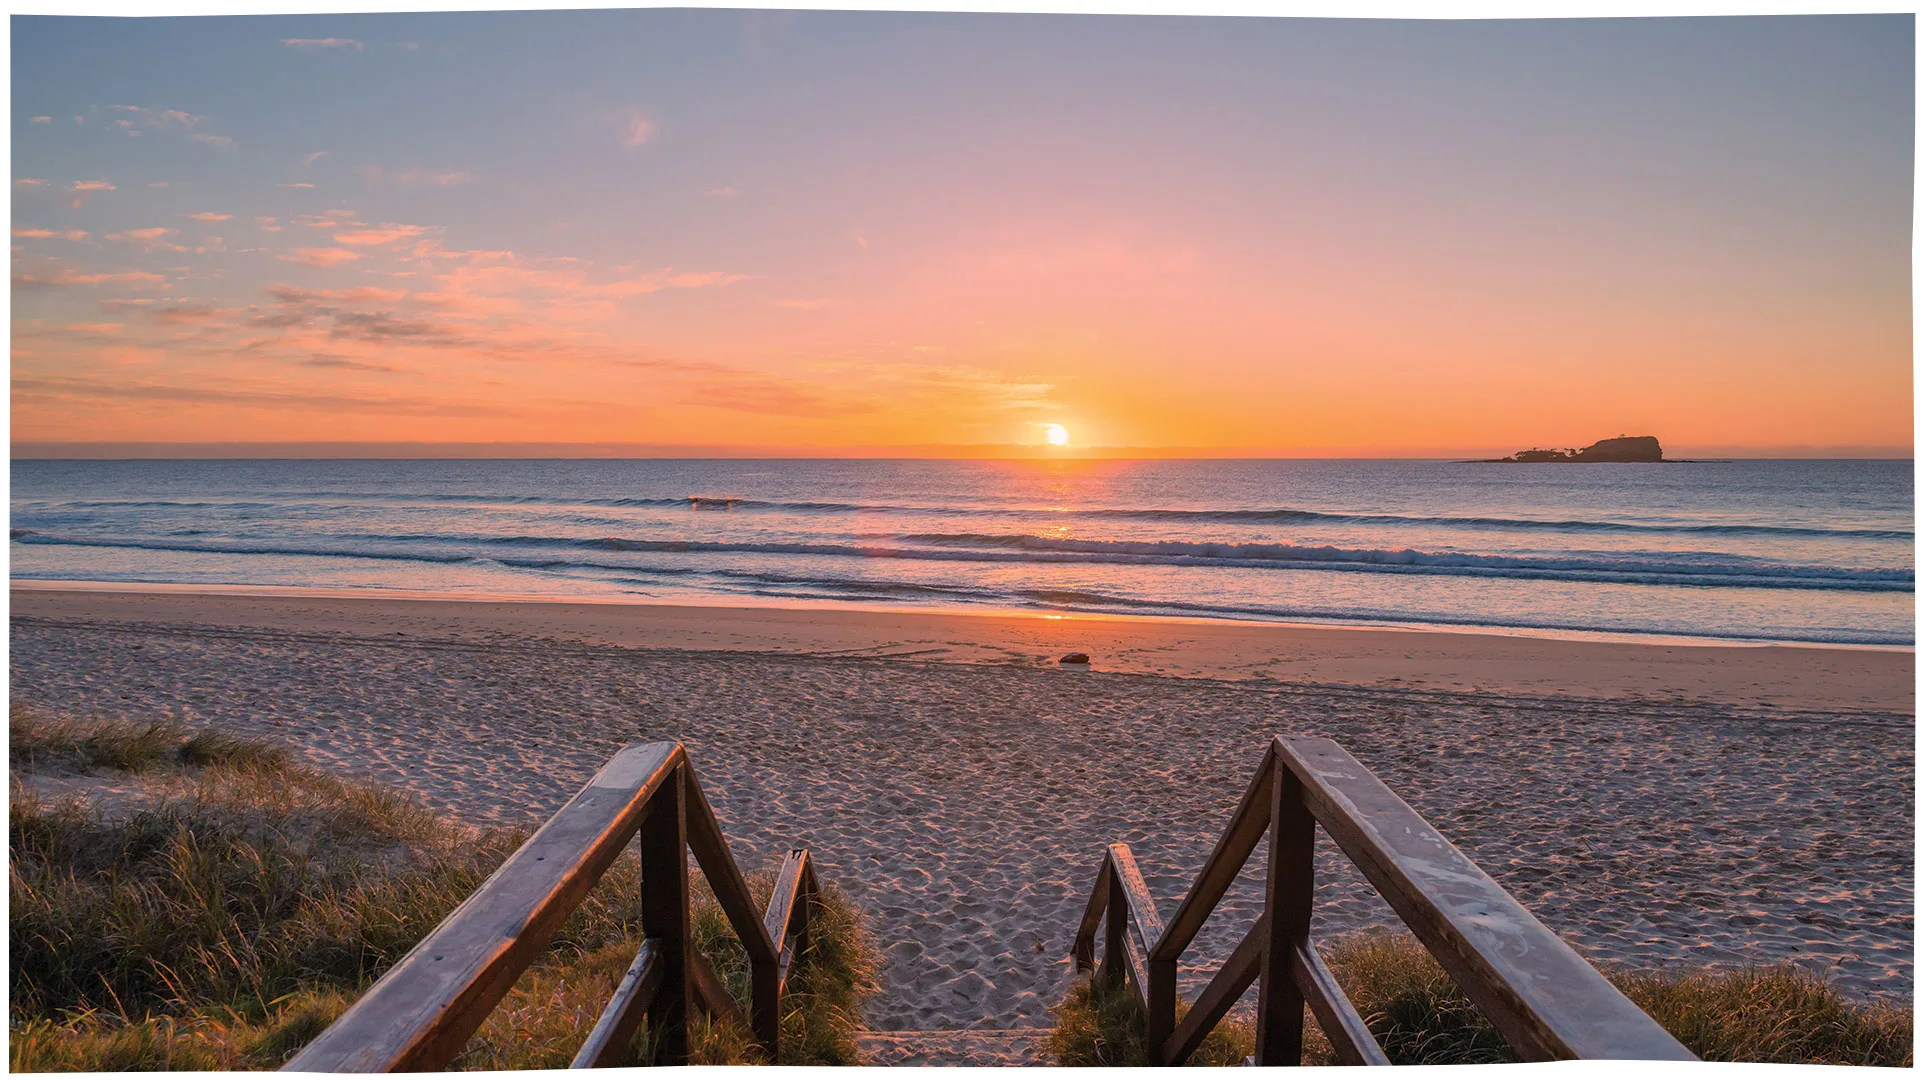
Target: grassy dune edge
<point x="226" y="914"/>
<point x="1763" y="1014"/>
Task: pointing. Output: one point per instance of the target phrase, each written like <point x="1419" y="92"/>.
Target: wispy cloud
<point x="322" y="257"/>
<point x="134" y="278"/>
<point x="721" y="193"/>
<point x="636" y="129"/>
<point x="414" y="177"/>
<point x="154" y="239"/>
<point x="81" y="189"/>
<point x="267" y="224"/>
<point x="132" y="119"/>
<point x="30" y="182"/>
<point x="41" y="120"/>
<point x="311" y="158"/>
<point x="75" y="235"/>
<point x="297" y="399"/>
<point x="208" y="217"/>
<point x="386" y="233"/>
<point x="296" y="185"/>
<point x="322" y="44"/>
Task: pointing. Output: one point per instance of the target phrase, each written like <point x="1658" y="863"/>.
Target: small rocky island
<point x="1624" y="448"/>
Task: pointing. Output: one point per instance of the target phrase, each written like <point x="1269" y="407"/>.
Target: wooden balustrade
<point x="1547" y="1001"/>
<point x="422" y="1012"/>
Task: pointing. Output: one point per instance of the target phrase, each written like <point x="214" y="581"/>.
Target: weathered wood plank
<point x="423" y="1011"/>
<point x="1281" y="1013"/>
<point x="607" y="1043"/>
<point x="1352" y="1043"/>
<point x="709" y="844"/>
<point x="1140" y="905"/>
<point x="1083" y="940"/>
<point x="666" y="908"/>
<point x="1540" y="994"/>
<point x="1226" y="987"/>
<point x="1248" y="824"/>
<point x="1114" y="964"/>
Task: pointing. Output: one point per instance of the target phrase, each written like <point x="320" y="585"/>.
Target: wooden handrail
<point x="1547" y="1001"/>
<point x="422" y="1012"/>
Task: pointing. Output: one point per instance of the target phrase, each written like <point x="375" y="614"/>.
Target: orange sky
<point x="815" y="233"/>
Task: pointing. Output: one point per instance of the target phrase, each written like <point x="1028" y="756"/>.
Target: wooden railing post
<point x="1281" y="1013"/>
<point x="666" y="915"/>
<point x="1113" y="964"/>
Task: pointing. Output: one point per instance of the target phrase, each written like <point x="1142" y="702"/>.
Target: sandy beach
<point x="1653" y="802"/>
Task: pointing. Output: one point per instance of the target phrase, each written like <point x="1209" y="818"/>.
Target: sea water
<point x="1797" y="551"/>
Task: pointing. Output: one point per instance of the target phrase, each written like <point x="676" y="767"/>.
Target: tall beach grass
<point x="225" y="918"/>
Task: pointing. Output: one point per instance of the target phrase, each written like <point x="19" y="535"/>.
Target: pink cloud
<point x="135" y="278"/>
<point x="637" y="130"/>
<point x="154" y="239"/>
<point x="30" y="182"/>
<point x="208" y="217"/>
<point x="322" y="257"/>
<point x="41" y="120"/>
<point x="75" y="235"/>
<point x="720" y="193"/>
<point x="384" y="234"/>
<point x="296" y="185"/>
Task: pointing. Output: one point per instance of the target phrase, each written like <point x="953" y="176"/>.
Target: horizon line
<point x="50" y="450"/>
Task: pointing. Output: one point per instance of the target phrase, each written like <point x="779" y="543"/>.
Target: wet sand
<point x="1751" y="804"/>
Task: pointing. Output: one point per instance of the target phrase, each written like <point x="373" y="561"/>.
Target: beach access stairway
<point x="421" y="1013"/>
<point x="1542" y="996"/>
<point x="1546" y="1000"/>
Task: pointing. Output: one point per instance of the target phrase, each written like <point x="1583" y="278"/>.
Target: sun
<point x="1056" y="435"/>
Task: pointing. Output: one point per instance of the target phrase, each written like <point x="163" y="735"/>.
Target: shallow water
<point x="1809" y="551"/>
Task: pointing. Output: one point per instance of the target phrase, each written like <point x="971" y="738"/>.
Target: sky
<point x="819" y="233"/>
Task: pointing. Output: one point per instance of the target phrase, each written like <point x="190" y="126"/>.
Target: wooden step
<point x="988" y="1047"/>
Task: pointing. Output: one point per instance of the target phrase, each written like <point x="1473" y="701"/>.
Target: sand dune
<point x="965" y="804"/>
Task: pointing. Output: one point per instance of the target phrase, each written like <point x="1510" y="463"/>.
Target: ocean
<point x="1793" y="551"/>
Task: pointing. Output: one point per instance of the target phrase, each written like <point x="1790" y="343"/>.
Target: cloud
<point x="41" y="120"/>
<point x="414" y="177"/>
<point x="720" y="193"/>
<point x="208" y="217"/>
<point x="296" y="185"/>
<point x="133" y="118"/>
<point x="330" y="360"/>
<point x="636" y="129"/>
<point x="323" y="257"/>
<point x="311" y="158"/>
<point x="80" y="189"/>
<point x="154" y="239"/>
<point x="267" y="224"/>
<point x="410" y="46"/>
<point x="366" y="294"/>
<point x="75" y="235"/>
<point x="384" y="234"/>
<point x="158" y="184"/>
<point x="183" y="313"/>
<point x="134" y="278"/>
<point x="299" y="400"/>
<point x="30" y="182"/>
<point x="321" y="44"/>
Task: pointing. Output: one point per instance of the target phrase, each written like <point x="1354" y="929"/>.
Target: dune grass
<point x="1762" y="1014"/>
<point x="243" y="906"/>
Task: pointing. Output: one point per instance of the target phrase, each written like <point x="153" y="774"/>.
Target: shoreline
<point x="1745" y="674"/>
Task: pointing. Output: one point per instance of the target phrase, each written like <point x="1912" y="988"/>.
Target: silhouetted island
<point x="1624" y="448"/>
